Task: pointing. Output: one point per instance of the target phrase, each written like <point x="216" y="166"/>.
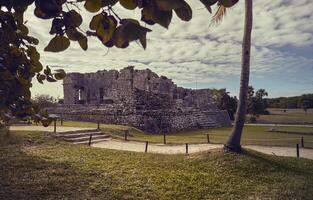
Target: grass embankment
<point x="36" y="166"/>
<point x="287" y="116"/>
<point x="258" y="135"/>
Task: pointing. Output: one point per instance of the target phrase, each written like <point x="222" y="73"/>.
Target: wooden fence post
<point x="164" y="137"/>
<point x="146" y="149"/>
<point x="298" y="155"/>
<point x="98" y="125"/>
<point x="126" y="133"/>
<point x="90" y="139"/>
<point x="208" y="137"/>
<point x="302" y="142"/>
<point x="186" y="148"/>
<point x="55" y="126"/>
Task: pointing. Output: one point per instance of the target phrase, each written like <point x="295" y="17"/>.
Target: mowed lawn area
<point x="287" y="116"/>
<point x="252" y="134"/>
<point x="36" y="166"/>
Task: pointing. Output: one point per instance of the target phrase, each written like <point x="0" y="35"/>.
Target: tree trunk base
<point x="233" y="149"/>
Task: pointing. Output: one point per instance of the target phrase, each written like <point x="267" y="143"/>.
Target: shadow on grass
<point x="27" y="176"/>
<point x="281" y="163"/>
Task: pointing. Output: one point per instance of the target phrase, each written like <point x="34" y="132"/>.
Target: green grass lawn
<point x="36" y="166"/>
<point x="291" y="116"/>
<point x="258" y="135"/>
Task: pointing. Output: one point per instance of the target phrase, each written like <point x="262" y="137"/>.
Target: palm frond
<point x="219" y="15"/>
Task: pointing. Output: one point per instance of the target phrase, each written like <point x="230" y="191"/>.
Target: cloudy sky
<point x="197" y="55"/>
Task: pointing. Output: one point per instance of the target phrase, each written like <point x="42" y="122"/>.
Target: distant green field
<point x="287" y="116"/>
<point x="253" y="134"/>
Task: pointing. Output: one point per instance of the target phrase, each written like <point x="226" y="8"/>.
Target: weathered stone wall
<point x="153" y="121"/>
<point x="139" y="98"/>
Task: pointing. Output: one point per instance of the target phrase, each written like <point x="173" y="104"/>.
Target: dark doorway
<point x="88" y="97"/>
<point x="101" y="95"/>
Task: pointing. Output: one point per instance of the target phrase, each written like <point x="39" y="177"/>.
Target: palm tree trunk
<point x="233" y="143"/>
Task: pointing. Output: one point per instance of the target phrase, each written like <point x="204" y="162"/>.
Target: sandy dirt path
<point x="286" y="125"/>
<point x="46" y="129"/>
<point x="170" y="149"/>
<point x="155" y="148"/>
<point x="283" y="151"/>
<point x="193" y="148"/>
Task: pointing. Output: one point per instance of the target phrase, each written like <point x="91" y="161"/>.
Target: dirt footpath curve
<point x="194" y="148"/>
<point x="170" y="149"/>
<point x="46" y="129"/>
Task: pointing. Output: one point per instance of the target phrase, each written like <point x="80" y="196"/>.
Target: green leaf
<point x="118" y="39"/>
<point x="19" y="16"/>
<point x="60" y="70"/>
<point x="41" y="78"/>
<point x="57" y="44"/>
<point x="109" y="43"/>
<point x="50" y="79"/>
<point x="22" y="80"/>
<point x="109" y="2"/>
<point x="106" y="28"/>
<point x="72" y="19"/>
<point x="168" y="5"/>
<point x="228" y="3"/>
<point x="31" y="40"/>
<point x="47" y="71"/>
<point x="23" y="29"/>
<point x="57" y="26"/>
<point x="83" y="43"/>
<point x="33" y="53"/>
<point x="131" y="30"/>
<point x="60" y="74"/>
<point x="47" y="9"/>
<point x="36" y="66"/>
<point x="129" y="4"/>
<point x="184" y="12"/>
<point x="208" y="4"/>
<point x="95" y="22"/>
<point x="151" y="14"/>
<point x="163" y="18"/>
<point x="93" y="5"/>
<point x="146" y="16"/>
<point x="74" y="35"/>
<point x="143" y="41"/>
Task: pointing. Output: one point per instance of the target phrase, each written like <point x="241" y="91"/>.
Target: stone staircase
<point x="83" y="136"/>
<point x="204" y="121"/>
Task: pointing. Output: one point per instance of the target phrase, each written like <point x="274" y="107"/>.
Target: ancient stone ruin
<point x="138" y="98"/>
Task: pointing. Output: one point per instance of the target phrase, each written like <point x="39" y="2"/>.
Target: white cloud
<point x="196" y="51"/>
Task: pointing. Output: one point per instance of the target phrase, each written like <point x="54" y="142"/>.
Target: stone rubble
<point x="138" y="98"/>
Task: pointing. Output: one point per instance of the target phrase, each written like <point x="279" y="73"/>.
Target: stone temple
<point x="138" y="98"/>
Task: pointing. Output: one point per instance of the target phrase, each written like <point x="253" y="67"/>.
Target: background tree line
<point x="303" y="101"/>
<point x="256" y="105"/>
